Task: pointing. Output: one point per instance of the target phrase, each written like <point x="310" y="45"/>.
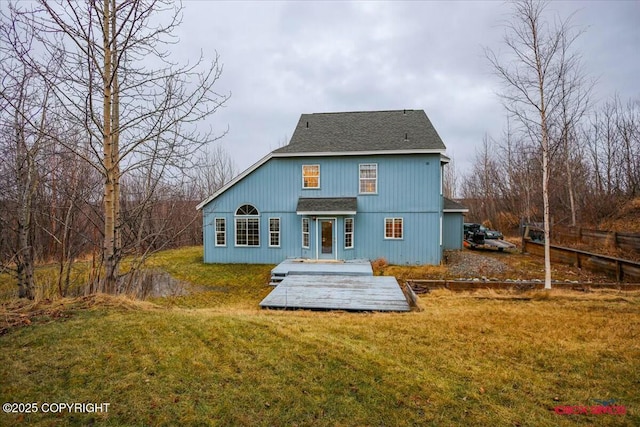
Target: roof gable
<point x="360" y="132"/>
<point x="364" y="131"/>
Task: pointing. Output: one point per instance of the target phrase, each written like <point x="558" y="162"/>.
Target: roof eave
<point x="440" y="151"/>
<point x="318" y="213"/>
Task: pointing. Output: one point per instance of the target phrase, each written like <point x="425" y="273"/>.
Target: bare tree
<point x="213" y="170"/>
<point x="628" y="125"/>
<point x="68" y="204"/>
<point x="25" y="181"/>
<point x="574" y="101"/>
<point x="450" y="179"/>
<point x="480" y="187"/>
<point x="613" y="141"/>
<point x="601" y="136"/>
<point x="114" y="79"/>
<point x="519" y="190"/>
<point x="532" y="76"/>
<point x="25" y="126"/>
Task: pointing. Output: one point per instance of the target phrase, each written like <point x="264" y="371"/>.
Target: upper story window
<point x="310" y="176"/>
<point x="247" y="226"/>
<point x="369" y="178"/>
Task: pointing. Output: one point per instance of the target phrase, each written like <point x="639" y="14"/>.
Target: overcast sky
<point x="282" y="59"/>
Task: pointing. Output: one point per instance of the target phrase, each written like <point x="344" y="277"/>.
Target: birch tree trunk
<point x="533" y="78"/>
<point x="26" y="185"/>
<point x="110" y="250"/>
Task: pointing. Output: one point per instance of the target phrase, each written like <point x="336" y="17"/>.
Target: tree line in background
<point x="592" y="149"/>
<point x="590" y="182"/>
<point x="100" y="155"/>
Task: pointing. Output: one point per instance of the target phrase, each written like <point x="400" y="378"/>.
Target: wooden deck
<point x="337" y="292"/>
<point x="310" y="267"/>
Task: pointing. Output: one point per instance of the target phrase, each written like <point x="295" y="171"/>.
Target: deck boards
<point x="338" y="292"/>
<point x="347" y="268"/>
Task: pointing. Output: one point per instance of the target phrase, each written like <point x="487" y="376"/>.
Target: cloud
<point x="286" y="58"/>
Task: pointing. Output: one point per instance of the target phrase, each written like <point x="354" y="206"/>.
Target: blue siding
<point x="419" y="245"/>
<point x="408" y="187"/>
<point x="453" y="231"/>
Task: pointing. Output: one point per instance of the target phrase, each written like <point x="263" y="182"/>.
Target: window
<point x="348" y="233"/>
<point x="310" y="176"/>
<point x="274" y="232"/>
<point x="247" y="226"/>
<point x="393" y="228"/>
<point x="369" y="178"/>
<point x="247" y="210"/>
<point x="221" y="232"/>
<point x="305" y="232"/>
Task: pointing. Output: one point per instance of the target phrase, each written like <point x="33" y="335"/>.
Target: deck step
<point x="277" y="278"/>
<point x="291" y="267"/>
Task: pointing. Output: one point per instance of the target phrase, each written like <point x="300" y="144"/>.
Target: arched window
<point x="247" y="210"/>
<point x="247" y="226"/>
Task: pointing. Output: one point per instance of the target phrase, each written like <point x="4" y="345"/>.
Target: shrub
<point x="378" y="265"/>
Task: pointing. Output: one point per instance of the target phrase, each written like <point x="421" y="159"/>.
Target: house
<point x="354" y="185"/>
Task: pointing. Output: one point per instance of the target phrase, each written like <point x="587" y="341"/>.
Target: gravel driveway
<point x="465" y="264"/>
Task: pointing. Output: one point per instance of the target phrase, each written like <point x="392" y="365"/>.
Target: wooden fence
<point x="619" y="268"/>
<point x="626" y="241"/>
<point x="423" y="286"/>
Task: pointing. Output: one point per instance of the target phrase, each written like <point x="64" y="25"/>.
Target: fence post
<point x="619" y="272"/>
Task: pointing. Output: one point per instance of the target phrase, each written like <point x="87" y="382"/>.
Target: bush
<point x="378" y="266"/>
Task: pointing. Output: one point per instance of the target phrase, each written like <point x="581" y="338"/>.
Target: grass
<point x="213" y="283"/>
<point x="238" y="285"/>
<point x="514" y="266"/>
<point x="215" y="358"/>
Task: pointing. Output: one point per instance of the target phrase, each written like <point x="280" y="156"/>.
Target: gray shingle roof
<point x="453" y="205"/>
<point x="326" y="204"/>
<point x="363" y="131"/>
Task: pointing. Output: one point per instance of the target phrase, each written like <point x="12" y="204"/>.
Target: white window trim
<point x="353" y="229"/>
<point x="360" y="178"/>
<point x="274" y="232"/>
<point x="334" y="238"/>
<point x="393" y="221"/>
<point x="302" y="170"/>
<point x="308" y="233"/>
<point x="216" y="232"/>
<point x="246" y="218"/>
